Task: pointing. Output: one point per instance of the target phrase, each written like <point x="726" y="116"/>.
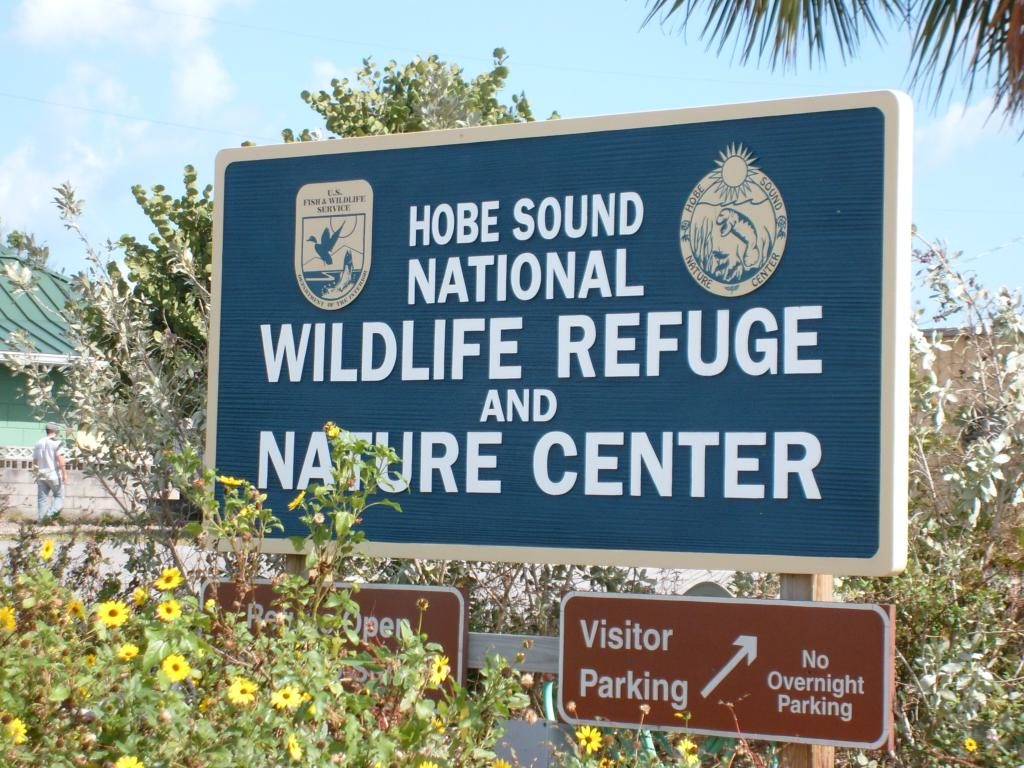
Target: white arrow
<point x="747" y="650"/>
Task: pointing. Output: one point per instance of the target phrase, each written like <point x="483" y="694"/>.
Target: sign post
<point x="812" y="588"/>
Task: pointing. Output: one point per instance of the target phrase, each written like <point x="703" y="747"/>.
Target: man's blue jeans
<point x="45" y="508"/>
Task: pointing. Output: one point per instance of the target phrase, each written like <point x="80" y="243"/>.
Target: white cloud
<point x="49" y="21"/>
<point x="167" y="24"/>
<point x="24" y="188"/>
<point x="959" y="129"/>
<point x="324" y="70"/>
<point x="201" y="84"/>
<point x="91" y="85"/>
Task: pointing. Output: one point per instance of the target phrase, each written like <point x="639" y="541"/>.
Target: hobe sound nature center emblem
<point x="733" y="228"/>
<point x="333" y="226"/>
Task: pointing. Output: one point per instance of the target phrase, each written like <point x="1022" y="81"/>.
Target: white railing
<point x="20" y="457"/>
<point x="15" y="457"/>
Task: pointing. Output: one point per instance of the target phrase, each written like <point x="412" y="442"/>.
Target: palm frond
<point x="983" y="37"/>
<point x="778" y="29"/>
<point x="975" y="38"/>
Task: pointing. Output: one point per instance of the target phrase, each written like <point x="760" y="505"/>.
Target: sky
<point x="111" y="93"/>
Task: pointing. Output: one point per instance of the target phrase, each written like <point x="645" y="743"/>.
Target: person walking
<point x="51" y="474"/>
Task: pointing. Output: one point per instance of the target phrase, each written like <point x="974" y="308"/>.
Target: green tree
<point x="425" y="94"/>
<point x="133" y="391"/>
<point x="960" y="608"/>
<point x="136" y="389"/>
<point x="983" y="39"/>
<point x="24" y="244"/>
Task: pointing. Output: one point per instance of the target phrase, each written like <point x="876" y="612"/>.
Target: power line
<point x="464" y="57"/>
<point x="136" y="118"/>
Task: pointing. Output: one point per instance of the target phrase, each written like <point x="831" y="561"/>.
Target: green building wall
<point x="18" y="425"/>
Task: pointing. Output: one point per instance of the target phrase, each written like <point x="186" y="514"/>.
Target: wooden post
<point x="819" y="588"/>
<point x="295" y="565"/>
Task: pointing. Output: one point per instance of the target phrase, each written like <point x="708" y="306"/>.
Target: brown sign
<point x="818" y="673"/>
<point x="382" y="609"/>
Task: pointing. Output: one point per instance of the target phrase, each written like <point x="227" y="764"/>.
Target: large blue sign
<point x="667" y="339"/>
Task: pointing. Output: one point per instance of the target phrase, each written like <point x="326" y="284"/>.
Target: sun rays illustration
<point x="732" y="177"/>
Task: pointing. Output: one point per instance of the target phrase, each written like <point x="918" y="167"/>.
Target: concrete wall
<point x="85" y="498"/>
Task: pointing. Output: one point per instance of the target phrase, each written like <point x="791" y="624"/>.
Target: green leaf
<point x="425" y="709"/>
<point x="58" y="693"/>
<point x="156" y="649"/>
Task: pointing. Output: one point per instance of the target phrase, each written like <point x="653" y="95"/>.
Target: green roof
<point x="39" y="312"/>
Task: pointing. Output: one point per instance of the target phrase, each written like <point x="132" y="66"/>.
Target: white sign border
<point x="896" y="108"/>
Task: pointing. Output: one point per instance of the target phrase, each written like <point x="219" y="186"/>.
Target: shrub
<point x="153" y="678"/>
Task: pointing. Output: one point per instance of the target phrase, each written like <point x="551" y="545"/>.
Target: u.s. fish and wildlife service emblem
<point x="333" y="249"/>
<point x="733" y="228"/>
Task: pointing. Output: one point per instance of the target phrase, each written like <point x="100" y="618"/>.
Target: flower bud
<point x="527" y="680"/>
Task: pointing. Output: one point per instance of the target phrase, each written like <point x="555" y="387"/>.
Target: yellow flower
<point x="210" y="605"/>
<point x="288" y="697"/>
<point x="175" y="667"/>
<point x="428" y="764"/>
<point x="7" y="621"/>
<point x="230" y="482"/>
<point x="499" y="763"/>
<point x="90" y="659"/>
<point x="332" y="429"/>
<point x="439" y="671"/>
<point x="970" y="744"/>
<point x="438" y="724"/>
<point x="168" y="610"/>
<point x="589" y="738"/>
<point x="75" y="609"/>
<point x="170" y="578"/>
<point x="127" y="652"/>
<point x="242" y="691"/>
<point x="685" y="746"/>
<point x="15" y="730"/>
<point x="129" y="761"/>
<point x="294" y="503"/>
<point x="293" y="747"/>
<point x="112" y="613"/>
<point x="46" y="550"/>
<point x="139" y="597"/>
